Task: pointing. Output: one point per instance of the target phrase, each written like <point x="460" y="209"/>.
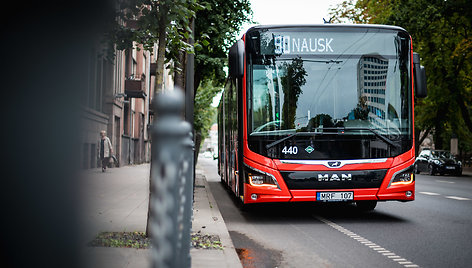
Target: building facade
<point x="118" y="100"/>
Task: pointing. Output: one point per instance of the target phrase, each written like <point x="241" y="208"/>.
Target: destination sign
<point x="325" y="42"/>
<point x="288" y="45"/>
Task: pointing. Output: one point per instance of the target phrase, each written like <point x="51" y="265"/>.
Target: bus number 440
<point x="290" y="150"/>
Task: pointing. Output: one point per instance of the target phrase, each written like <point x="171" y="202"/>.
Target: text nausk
<point x="285" y="44"/>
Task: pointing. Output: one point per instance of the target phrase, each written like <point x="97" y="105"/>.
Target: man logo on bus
<point x="334" y="164"/>
<point x="335" y="177"/>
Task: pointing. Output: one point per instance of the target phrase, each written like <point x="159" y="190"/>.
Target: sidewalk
<point x="117" y="201"/>
<point x="208" y="220"/>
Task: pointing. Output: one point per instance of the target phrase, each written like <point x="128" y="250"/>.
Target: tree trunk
<point x="464" y="112"/>
<point x="439" y="129"/>
<point x="179" y="77"/>
<point x="161" y="51"/>
<point x="197" y="81"/>
<point x="198" y="141"/>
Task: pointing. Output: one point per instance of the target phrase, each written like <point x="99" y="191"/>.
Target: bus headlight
<point x="405" y="176"/>
<point x="259" y="178"/>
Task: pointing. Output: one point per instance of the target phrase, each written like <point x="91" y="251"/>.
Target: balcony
<point x="135" y="86"/>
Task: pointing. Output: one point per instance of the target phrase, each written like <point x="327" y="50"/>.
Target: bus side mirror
<point x="420" y="77"/>
<point x="236" y="60"/>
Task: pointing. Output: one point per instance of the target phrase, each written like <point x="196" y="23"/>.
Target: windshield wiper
<point x="324" y="61"/>
<point x="378" y="135"/>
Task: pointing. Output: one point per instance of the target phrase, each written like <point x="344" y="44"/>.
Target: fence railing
<point x="171" y="183"/>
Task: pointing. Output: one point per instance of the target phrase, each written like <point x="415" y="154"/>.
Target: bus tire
<point x="366" y="205"/>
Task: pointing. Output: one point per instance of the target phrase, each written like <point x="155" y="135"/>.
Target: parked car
<point x="437" y="161"/>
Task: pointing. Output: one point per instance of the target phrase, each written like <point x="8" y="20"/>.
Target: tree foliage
<point x="441" y="32"/>
<point x="217" y="23"/>
<point x="162" y="22"/>
<point x="216" y="29"/>
<point x="204" y="112"/>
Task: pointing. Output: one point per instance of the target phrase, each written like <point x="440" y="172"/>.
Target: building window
<point x="126" y="119"/>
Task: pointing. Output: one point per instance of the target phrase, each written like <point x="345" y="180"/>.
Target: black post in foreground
<point x="172" y="183"/>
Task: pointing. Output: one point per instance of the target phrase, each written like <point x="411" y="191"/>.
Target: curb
<point x="208" y="220"/>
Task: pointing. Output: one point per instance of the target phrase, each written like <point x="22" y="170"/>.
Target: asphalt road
<point x="432" y="231"/>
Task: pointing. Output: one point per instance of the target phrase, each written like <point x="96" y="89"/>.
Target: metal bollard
<point x="170" y="224"/>
<point x="188" y="172"/>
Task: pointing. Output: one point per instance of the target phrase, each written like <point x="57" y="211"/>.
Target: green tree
<point x="204" y="113"/>
<point x="441" y="31"/>
<point x="164" y="22"/>
<point x="216" y="28"/>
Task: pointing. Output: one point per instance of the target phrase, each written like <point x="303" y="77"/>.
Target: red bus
<point x="320" y="113"/>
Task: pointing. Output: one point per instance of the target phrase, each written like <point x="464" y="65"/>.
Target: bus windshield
<point x="313" y="80"/>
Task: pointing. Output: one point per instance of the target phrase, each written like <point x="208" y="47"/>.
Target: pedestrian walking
<point x="105" y="150"/>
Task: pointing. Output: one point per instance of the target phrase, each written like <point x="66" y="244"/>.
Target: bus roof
<point x="328" y="25"/>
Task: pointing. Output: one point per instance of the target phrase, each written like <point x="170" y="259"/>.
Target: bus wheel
<point x="367" y="205"/>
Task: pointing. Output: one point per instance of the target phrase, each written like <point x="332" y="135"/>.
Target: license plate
<point x="334" y="196"/>
<point x="450" y="167"/>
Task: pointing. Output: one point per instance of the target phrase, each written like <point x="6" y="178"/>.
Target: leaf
<point x="198" y="47"/>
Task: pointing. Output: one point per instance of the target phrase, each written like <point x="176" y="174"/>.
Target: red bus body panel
<point x="385" y="192"/>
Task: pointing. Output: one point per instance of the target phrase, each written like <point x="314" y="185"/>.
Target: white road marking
<point x="445" y="181"/>
<point x="390" y="255"/>
<point x="450" y="197"/>
<point x="458" y="198"/>
<point x="428" y="193"/>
